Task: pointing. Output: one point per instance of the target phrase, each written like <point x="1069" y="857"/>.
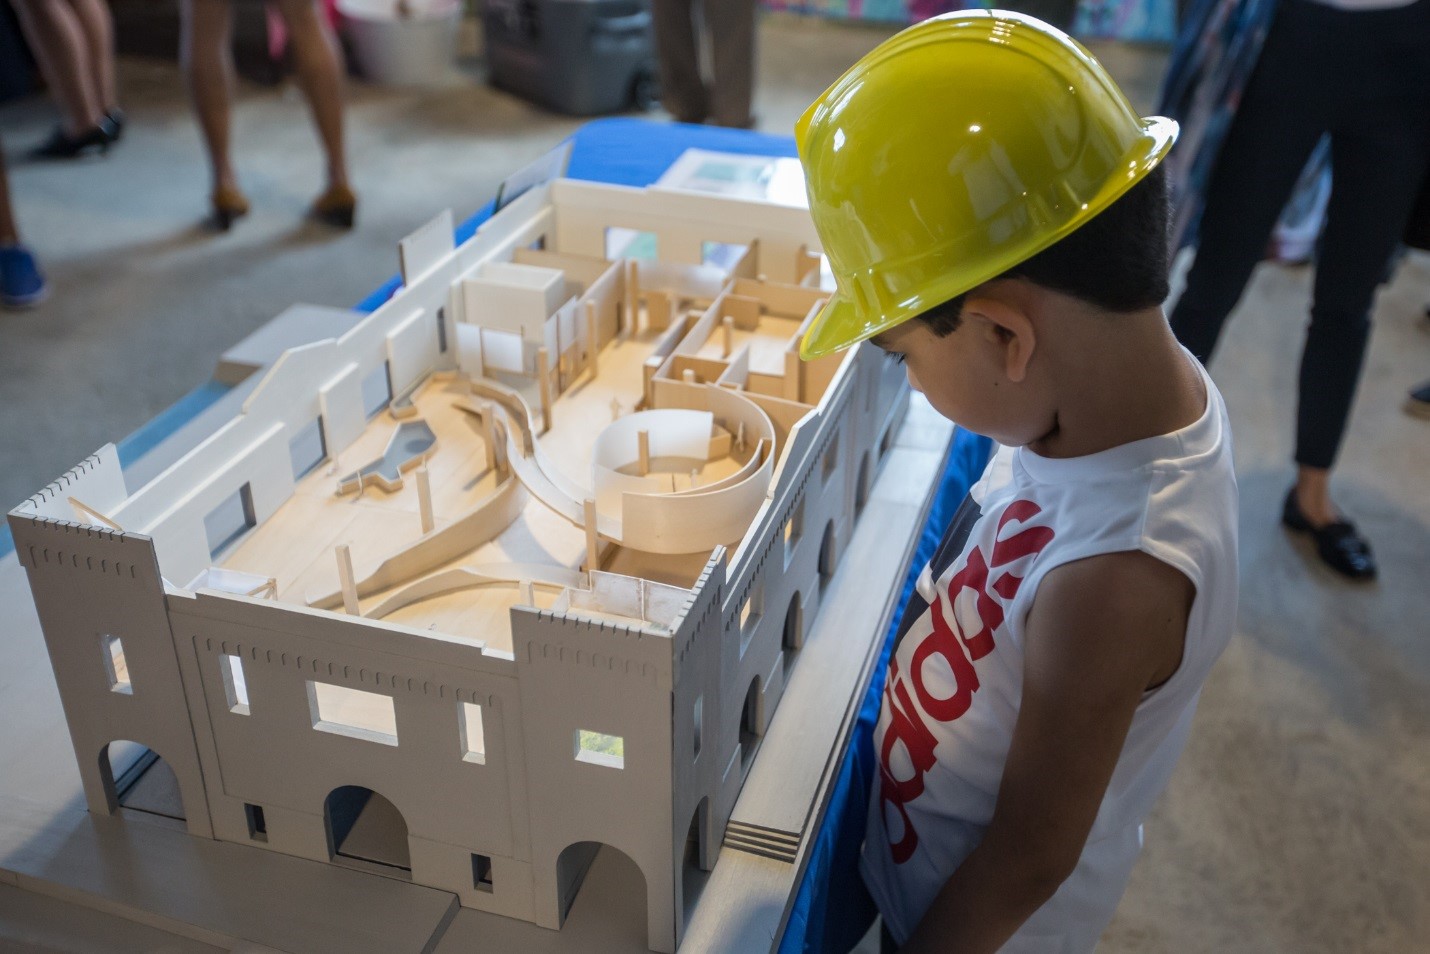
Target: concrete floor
<point x="1299" y="819"/>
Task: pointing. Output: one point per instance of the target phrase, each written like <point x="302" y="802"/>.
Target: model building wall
<point x="509" y="822"/>
<point x="501" y="773"/>
<point x="100" y="600"/>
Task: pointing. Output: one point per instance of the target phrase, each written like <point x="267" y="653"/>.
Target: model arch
<point x="137" y="777"/>
<point x="697" y="860"/>
<point x="862" y="485"/>
<point x="366" y="830"/>
<point x="611" y="886"/>
<point x="752" y="721"/>
<point x="828" y="555"/>
<point x="792" y="639"/>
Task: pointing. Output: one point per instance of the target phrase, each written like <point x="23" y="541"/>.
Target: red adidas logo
<point x="993" y="590"/>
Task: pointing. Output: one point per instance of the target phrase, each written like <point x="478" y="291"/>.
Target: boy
<point x="993" y="212"/>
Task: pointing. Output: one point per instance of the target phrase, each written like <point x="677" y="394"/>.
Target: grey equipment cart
<point x="581" y="57"/>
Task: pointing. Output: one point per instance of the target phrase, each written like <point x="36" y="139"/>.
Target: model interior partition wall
<point x="515" y="568"/>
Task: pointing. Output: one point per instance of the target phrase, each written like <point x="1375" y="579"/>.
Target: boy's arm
<point x="1100" y="632"/>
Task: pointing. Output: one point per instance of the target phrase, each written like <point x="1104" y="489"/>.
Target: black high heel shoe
<point x="1339" y="545"/>
<point x="228" y="205"/>
<point x="61" y="145"/>
<point x="336" y="207"/>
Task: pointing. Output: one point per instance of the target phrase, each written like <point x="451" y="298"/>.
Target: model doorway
<point x="366" y="829"/>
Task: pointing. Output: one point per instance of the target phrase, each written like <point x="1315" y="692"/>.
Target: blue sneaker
<point x="21" y="284"/>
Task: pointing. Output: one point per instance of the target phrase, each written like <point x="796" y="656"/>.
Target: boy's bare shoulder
<point x="1127" y="609"/>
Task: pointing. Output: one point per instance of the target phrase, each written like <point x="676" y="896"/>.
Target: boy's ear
<point x="1008" y="328"/>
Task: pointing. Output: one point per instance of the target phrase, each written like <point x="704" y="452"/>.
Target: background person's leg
<point x="1280" y="120"/>
<point x="208" y="64"/>
<point x="207" y="27"/>
<point x="1380" y="150"/>
<point x="98" y="28"/>
<point x="682" y="91"/>
<point x="21" y="283"/>
<point x="57" y="39"/>
<point x="1377" y="163"/>
<point x="1374" y="177"/>
<point x="9" y="231"/>
<point x="731" y="26"/>
<point x="1059" y="13"/>
<point x="320" y="76"/>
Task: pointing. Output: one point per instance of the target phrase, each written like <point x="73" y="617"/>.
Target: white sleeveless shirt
<point x="955" y="679"/>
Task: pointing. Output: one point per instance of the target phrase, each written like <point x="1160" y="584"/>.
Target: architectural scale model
<point x="514" y="568"/>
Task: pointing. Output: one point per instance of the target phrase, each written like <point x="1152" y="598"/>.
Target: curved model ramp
<point x="462" y="578"/>
<point x="659" y="522"/>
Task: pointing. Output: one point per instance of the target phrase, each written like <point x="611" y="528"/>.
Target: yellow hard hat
<point x="955" y="150"/>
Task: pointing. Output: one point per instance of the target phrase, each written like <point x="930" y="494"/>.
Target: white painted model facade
<point x="224" y="674"/>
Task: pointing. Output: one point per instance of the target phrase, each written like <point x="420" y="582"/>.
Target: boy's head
<point x="981" y="173"/>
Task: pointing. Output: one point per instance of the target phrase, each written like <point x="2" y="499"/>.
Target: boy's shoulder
<point x="1173" y="497"/>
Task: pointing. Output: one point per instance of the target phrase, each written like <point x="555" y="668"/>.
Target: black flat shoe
<point x="61" y="145"/>
<point x="116" y="119"/>
<point x="1338" y="544"/>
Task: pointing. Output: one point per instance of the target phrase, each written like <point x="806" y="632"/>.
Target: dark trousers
<point x="729" y="31"/>
<point x="1059" y="13"/>
<point x="1364" y="78"/>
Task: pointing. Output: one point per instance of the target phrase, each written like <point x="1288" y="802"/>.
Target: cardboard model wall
<point x="565" y="620"/>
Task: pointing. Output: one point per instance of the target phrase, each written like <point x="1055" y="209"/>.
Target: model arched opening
<point x="137" y="778"/>
<point x="828" y="557"/>
<point x="751" y="723"/>
<point x="602" y="885"/>
<point x="366" y="831"/>
<point x="696" y="861"/>
<point x="793" y="639"/>
<point x="862" y="485"/>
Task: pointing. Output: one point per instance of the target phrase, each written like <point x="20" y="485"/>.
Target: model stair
<point x="779" y="845"/>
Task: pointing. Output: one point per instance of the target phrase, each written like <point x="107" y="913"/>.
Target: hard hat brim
<point x="840" y="324"/>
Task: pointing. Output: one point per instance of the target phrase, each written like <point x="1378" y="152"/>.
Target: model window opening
<point x="482" y="873"/>
<point x="600" y="748"/>
<point x="352" y="712"/>
<point x="257" y="824"/>
<point x="235" y="686"/>
<point x="117" y="665"/>
<point x="474" y="737"/>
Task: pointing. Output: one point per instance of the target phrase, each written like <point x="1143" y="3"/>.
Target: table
<point x="47" y="841"/>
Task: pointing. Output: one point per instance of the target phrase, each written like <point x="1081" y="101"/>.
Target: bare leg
<point x="315" y="57"/>
<point x="208" y="63"/>
<point x="98" y="28"/>
<point x="59" y="44"/>
<point x="22" y="284"/>
<point x="9" y="232"/>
